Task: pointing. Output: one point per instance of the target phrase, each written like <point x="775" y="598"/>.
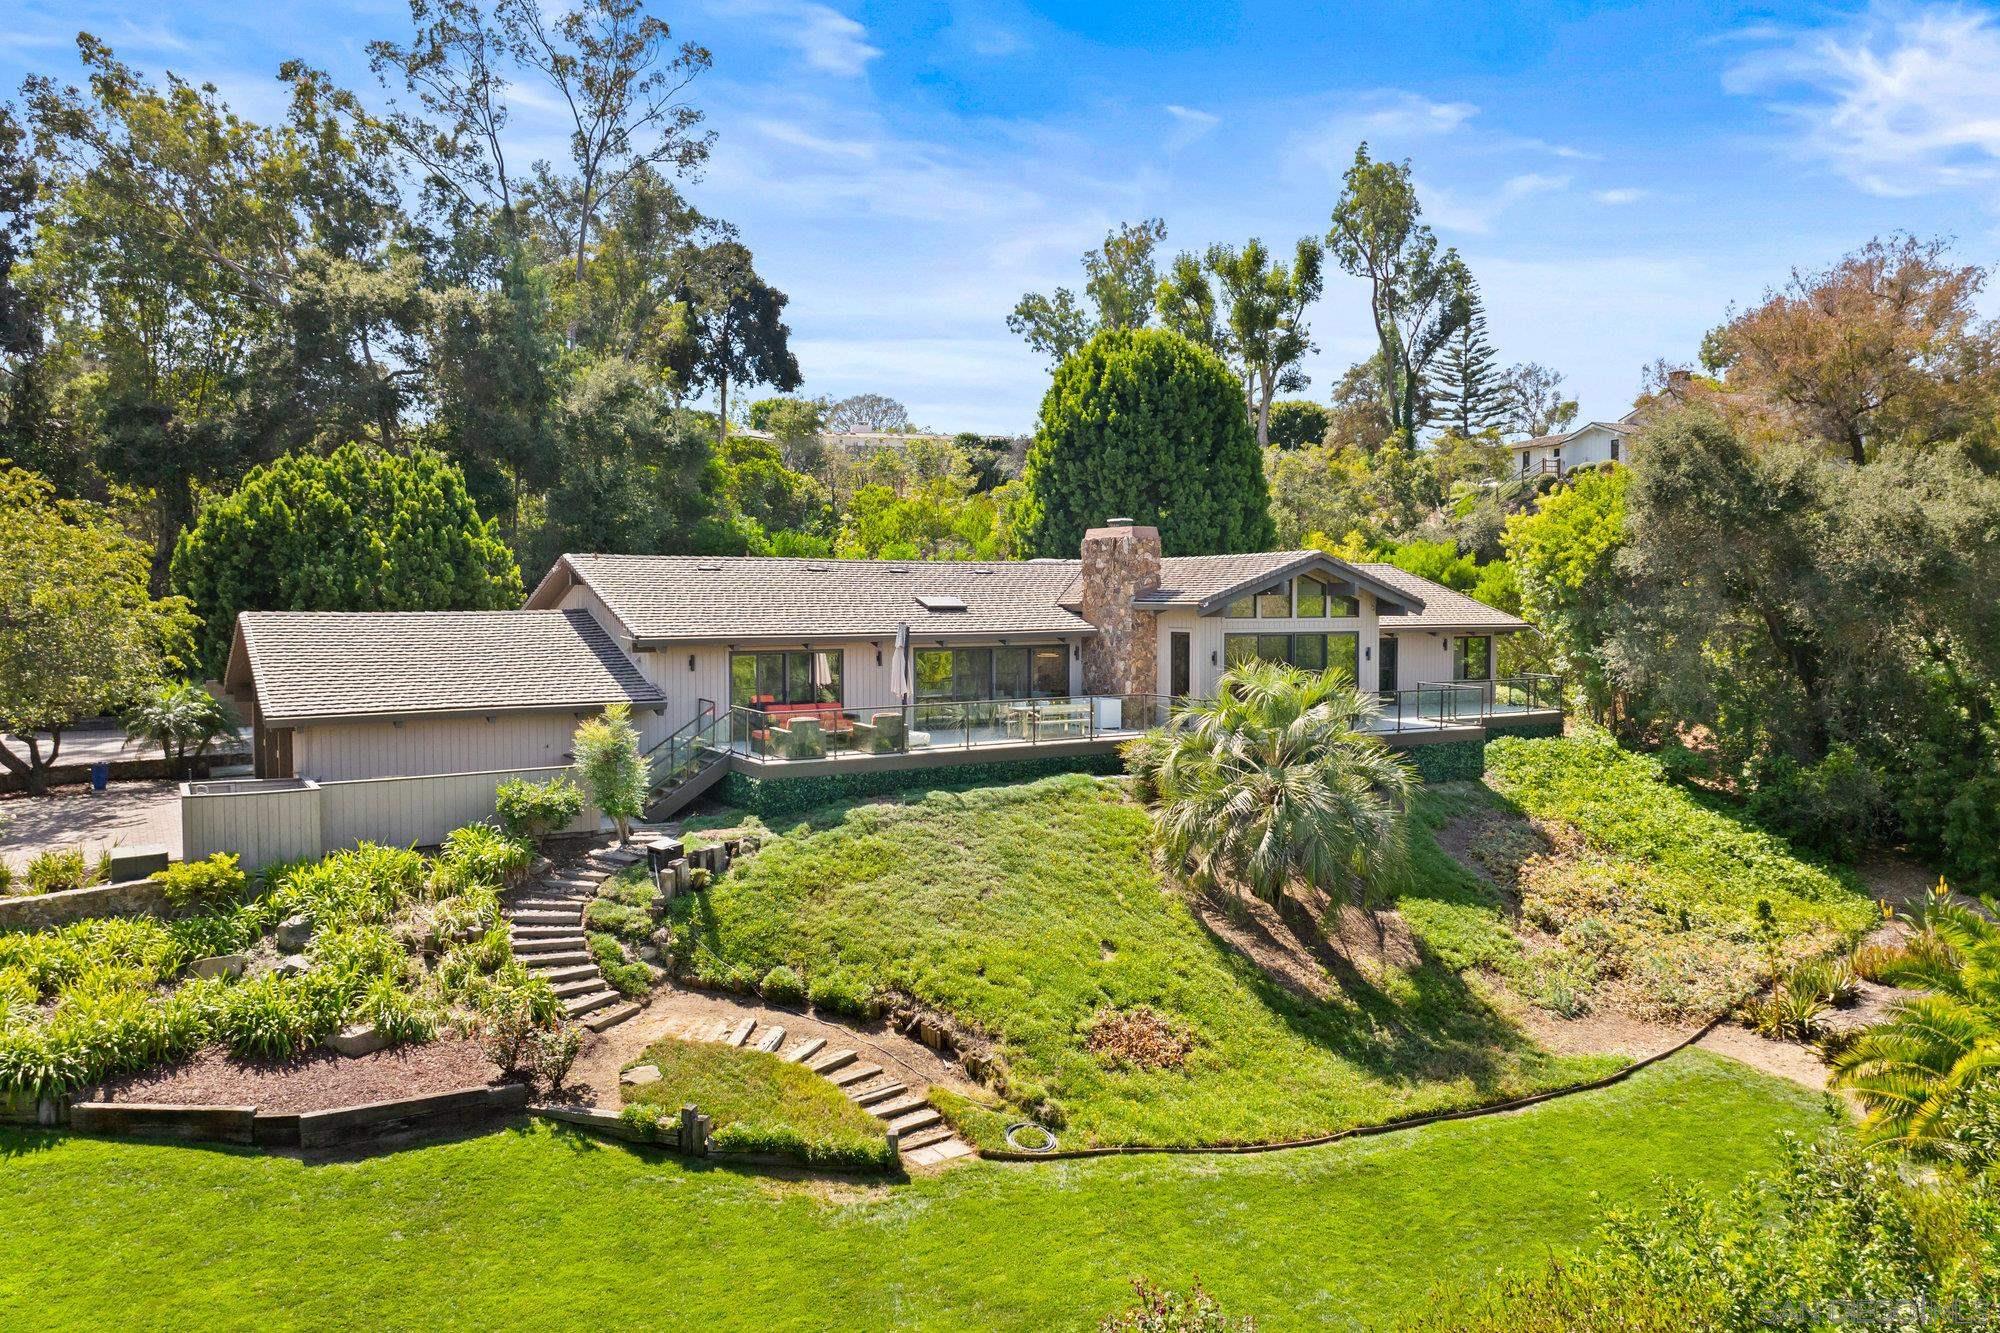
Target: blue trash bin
<point x="100" y="776"/>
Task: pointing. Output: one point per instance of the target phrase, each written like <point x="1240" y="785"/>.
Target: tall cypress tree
<point x="1470" y="396"/>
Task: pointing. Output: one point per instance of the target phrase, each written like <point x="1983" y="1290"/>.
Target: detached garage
<point x="335" y="697"/>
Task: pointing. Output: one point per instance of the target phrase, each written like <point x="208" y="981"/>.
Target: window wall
<point x="992" y="673"/>
<point x="1475" y="656"/>
<point x="1308" y="652"/>
<point x="758" y="680"/>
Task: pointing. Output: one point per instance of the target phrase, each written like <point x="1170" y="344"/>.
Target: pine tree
<point x="1470" y="396"/>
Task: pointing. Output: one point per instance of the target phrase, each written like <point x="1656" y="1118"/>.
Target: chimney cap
<point x="1117" y="522"/>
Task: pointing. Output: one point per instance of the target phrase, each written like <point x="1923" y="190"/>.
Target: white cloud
<point x="1451" y="211"/>
<point x="1622" y="195"/>
<point x="823" y="36"/>
<point x="1902" y="100"/>
<point x="1189" y="125"/>
<point x="1403" y="114"/>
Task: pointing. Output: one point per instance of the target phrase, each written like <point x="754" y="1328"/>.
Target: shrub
<point x="364" y="885"/>
<point x="556" y="1050"/>
<point x="1972" y="834"/>
<point x="646" y="1120"/>
<point x="1162" y="1311"/>
<point x="57" y="871"/>
<point x="355" y="955"/>
<point x="215" y="882"/>
<point x="468" y="915"/>
<point x="534" y="810"/>
<point x="6" y="878"/>
<point x="486" y="855"/>
<point x="507" y="1034"/>
<point x="625" y="977"/>
<point x="1836" y="806"/>
<point x="781" y="985"/>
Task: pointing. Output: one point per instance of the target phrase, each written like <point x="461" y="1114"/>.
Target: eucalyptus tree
<point x="1417" y="293"/>
<point x="1252" y="312"/>
<point x="1121" y="277"/>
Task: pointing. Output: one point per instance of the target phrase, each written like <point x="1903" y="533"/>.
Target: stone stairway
<point x="921" y="1133"/>
<point x="545" y="916"/>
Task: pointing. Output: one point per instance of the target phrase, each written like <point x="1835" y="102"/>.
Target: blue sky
<point x="1616" y="176"/>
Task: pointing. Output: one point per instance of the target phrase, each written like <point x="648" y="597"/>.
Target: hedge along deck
<point x="345" y="1126"/>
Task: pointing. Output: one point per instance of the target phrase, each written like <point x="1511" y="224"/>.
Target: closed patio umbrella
<point x="899" y="669"/>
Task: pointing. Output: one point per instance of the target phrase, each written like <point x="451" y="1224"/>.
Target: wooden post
<point x="694" y="1137"/>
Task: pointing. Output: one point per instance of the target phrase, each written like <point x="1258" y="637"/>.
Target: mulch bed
<point x="323" y="1081"/>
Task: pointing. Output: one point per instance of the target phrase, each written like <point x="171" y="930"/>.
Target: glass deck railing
<point x="780" y="732"/>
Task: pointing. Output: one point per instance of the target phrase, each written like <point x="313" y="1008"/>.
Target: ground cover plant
<point x="1024" y="912"/>
<point x="1351" y="1235"/>
<point x="760" y="1104"/>
<point x="1649" y="898"/>
<point x="401" y="941"/>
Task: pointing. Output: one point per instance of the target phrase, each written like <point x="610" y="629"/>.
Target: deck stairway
<point x="686" y="764"/>
<point x="921" y="1133"/>
<point x="545" y="917"/>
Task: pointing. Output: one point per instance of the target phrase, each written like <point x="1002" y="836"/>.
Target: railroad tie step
<point x="557" y="976"/>
<point x="568" y="942"/>
<point x="590" y="983"/>
<point x="545" y="918"/>
<point x="915" y="1120"/>
<point x="805" y="1050"/>
<point x="533" y="930"/>
<point x="741" y="1032"/>
<point x="772" y="1039"/>
<point x="720" y="1032"/>
<point x="923" y="1138"/>
<point x="551" y="905"/>
<point x="868" y="1097"/>
<point x="854" y="1075"/>
<point x="826" y="1064"/>
<point x="610" y="1018"/>
<point x="542" y="964"/>
<point x="896" y="1106"/>
<point x="579" y="1005"/>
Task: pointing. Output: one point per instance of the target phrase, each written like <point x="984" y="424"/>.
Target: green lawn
<point x="542" y="1227"/>
<point x="1026" y="910"/>
<point x="760" y="1103"/>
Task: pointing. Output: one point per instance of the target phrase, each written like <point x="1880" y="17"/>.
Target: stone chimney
<point x="1120" y="562"/>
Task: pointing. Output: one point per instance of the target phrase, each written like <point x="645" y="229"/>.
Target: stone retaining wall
<point x="46" y="911"/>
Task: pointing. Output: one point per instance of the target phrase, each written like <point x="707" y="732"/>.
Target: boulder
<point x="640" y="1075"/>
<point x="360" y="1039"/>
<point x="294" y="933"/>
<point x="648" y="954"/>
<point x="291" y="965"/>
<point x="222" y="965"/>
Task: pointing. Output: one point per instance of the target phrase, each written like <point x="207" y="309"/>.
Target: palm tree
<point x="183" y="719"/>
<point x="1274" y="779"/>
<point x="1913" y="1071"/>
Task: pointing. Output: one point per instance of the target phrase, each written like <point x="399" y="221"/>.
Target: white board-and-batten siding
<point x="1205" y="656"/>
<point x="420" y="746"/>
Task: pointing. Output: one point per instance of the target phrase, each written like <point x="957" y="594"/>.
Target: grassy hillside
<point x="1028" y="912"/>
<point x="541" y="1228"/>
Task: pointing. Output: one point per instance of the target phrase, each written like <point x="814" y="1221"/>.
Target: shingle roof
<point x="1443" y="608"/>
<point x="327" y="664"/>
<point x="740" y="598"/>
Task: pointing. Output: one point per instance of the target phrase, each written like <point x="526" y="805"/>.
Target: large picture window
<point x="757" y="680"/>
<point x="1308" y="652"/>
<point x="1272" y="603"/>
<point x="992" y="673"/>
<point x="1474" y="653"/>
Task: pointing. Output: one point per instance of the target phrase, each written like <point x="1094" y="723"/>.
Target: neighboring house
<point x="1586" y="446"/>
<point x="789" y="668"/>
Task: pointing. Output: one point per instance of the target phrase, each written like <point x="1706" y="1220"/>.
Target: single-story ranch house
<point x="783" y="668"/>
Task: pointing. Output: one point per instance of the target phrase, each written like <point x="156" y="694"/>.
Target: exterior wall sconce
<point x="690" y="661"/>
<point x="1076" y="652"/>
<point x="1215" y="659"/>
<point x="1368" y="653"/>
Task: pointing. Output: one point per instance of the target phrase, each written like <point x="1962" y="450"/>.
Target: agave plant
<point x="1275" y="779"/>
<point x="1915" y="1070"/>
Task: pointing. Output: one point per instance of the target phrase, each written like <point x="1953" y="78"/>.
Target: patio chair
<point x="803" y="738"/>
